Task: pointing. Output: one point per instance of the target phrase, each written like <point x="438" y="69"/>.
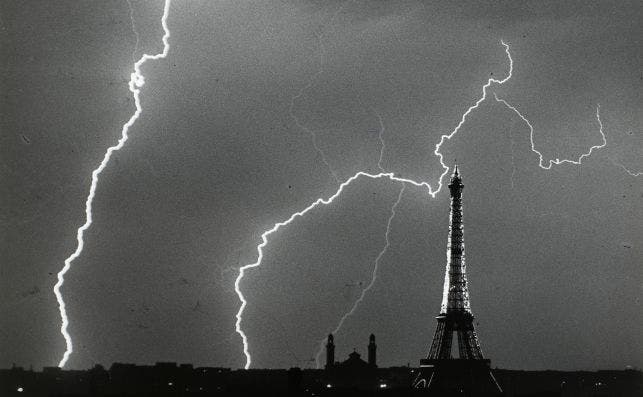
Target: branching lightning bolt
<point x="632" y="173"/>
<point x="391" y="176"/>
<point x="309" y="131"/>
<point x="321" y="201"/>
<point x="380" y="134"/>
<point x="373" y="277"/>
<point x="133" y="22"/>
<point x="623" y="167"/>
<point x="277" y="226"/>
<point x="382" y="144"/>
<point x="551" y="163"/>
<point x="300" y="93"/>
<point x="136" y="82"/>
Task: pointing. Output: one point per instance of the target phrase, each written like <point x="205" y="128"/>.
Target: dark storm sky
<point x="554" y="257"/>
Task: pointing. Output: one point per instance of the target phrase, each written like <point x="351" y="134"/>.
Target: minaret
<point x="372" y="351"/>
<point x="330" y="352"/>
<point x="440" y="371"/>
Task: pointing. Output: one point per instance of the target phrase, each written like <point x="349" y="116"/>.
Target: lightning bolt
<point x="391" y="176"/>
<point x="382" y="145"/>
<point x="321" y="201"/>
<point x="632" y="173"/>
<point x="277" y="226"/>
<point x="133" y="22"/>
<point x="312" y="134"/>
<point x="380" y="134"/>
<point x="300" y="93"/>
<point x="551" y="163"/>
<point x="373" y="277"/>
<point x="136" y="82"/>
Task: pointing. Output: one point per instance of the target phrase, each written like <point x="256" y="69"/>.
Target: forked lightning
<point x="136" y="82"/>
<point x="391" y="176"/>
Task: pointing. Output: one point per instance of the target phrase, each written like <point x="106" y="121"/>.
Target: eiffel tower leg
<point x="441" y="346"/>
<point x="463" y="349"/>
<point x="447" y="339"/>
<point x="472" y="346"/>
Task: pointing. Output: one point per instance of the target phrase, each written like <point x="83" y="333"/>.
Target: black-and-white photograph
<point x="321" y="198"/>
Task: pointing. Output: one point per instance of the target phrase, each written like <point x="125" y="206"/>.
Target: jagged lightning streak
<point x="551" y="163"/>
<point x="133" y="22"/>
<point x="380" y="134"/>
<point x="321" y="201"/>
<point x="277" y="226"/>
<point x="623" y="167"/>
<point x="312" y="134"/>
<point x="137" y="80"/>
<point x="379" y="160"/>
<point x="373" y="276"/>
<point x="632" y="173"/>
<point x="381" y="138"/>
<point x="389" y="175"/>
<point x="300" y="93"/>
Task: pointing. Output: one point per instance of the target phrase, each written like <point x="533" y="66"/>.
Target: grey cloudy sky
<point x="223" y="150"/>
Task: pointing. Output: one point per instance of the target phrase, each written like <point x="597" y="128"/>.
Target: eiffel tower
<point x="440" y="373"/>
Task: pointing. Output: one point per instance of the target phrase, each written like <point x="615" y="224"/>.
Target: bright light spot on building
<point x="328" y="386"/>
<point x="20" y="389"/>
<point x="383" y="386"/>
<point x="170" y="383"/>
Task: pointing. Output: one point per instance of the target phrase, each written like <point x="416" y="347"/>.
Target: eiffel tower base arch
<point x="457" y="377"/>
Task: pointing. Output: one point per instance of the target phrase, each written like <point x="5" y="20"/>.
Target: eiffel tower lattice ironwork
<point x="440" y="372"/>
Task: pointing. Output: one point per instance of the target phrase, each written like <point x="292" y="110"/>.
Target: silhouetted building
<point x="372" y="351"/>
<point x="330" y="352"/>
<point x="353" y="372"/>
<point x="440" y="373"/>
<point x="166" y="379"/>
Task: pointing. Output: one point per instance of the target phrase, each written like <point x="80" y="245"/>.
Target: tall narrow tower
<point x="441" y="372"/>
<point x="330" y="352"/>
<point x="372" y="351"/>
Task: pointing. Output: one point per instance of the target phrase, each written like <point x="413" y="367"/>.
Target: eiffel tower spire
<point x="455" y="311"/>
<point x="441" y="371"/>
<point x="456" y="294"/>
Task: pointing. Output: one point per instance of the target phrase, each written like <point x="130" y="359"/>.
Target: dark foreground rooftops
<point x="171" y="379"/>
